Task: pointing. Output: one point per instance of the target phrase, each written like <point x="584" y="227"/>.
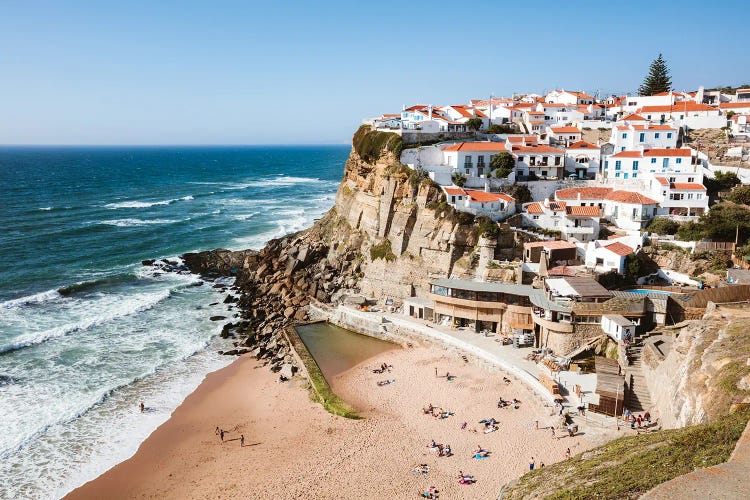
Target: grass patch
<point x="370" y="145"/>
<point x="322" y="392"/>
<point x="630" y="466"/>
<point x="382" y="251"/>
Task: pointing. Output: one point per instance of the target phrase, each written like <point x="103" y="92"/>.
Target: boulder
<point x="289" y="312"/>
<point x="217" y="318"/>
<point x="287" y="370"/>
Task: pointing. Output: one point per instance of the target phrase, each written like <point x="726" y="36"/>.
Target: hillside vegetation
<point x="630" y="466"/>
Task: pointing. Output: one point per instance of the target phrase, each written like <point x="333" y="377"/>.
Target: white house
<point x="631" y="164"/>
<point x="678" y="111"/>
<point x="575" y="223"/>
<point x="604" y="256"/>
<point x="493" y="205"/>
<point x="462" y="114"/>
<point x="472" y="158"/>
<point x="568" y="97"/>
<point x="740" y="124"/>
<point x="618" y="327"/>
<point x="535" y="121"/>
<point x="629" y="210"/>
<point x="679" y="194"/>
<point x="631" y="136"/>
<point x="537" y="161"/>
<point x="737" y="107"/>
<point x="388" y="121"/>
<point x="564" y="135"/>
<point x="583" y="158"/>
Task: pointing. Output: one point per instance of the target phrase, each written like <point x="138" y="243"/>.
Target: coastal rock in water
<point x="148" y="262"/>
<point x="217" y="318"/>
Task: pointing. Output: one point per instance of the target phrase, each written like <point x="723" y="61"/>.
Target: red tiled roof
<point x="537" y="149"/>
<point x="725" y="105"/>
<point x="676" y="107"/>
<point x="630" y="197"/>
<point x="557" y="206"/>
<point x="534" y="208"/>
<point x="454" y="191"/>
<point x="583" y="211"/>
<point x="688" y="185"/>
<point x="619" y="248"/>
<point x="565" y="130"/>
<point x="663" y="181"/>
<point x="479" y="114"/>
<point x="523" y="138"/>
<point x="462" y="110"/>
<point x="536" y="112"/>
<point x="582" y="145"/>
<point x="485" y="197"/>
<point x="476" y="146"/>
<point x="667" y="152"/>
<point x="587" y="193"/>
<point x="552" y="245"/>
<point x="632" y="118"/>
<point x="627" y="154"/>
<point x="581" y="95"/>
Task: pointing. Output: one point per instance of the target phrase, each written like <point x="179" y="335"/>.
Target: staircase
<point x="637" y="396"/>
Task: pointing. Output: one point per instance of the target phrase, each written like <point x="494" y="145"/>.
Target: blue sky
<point x="307" y="72"/>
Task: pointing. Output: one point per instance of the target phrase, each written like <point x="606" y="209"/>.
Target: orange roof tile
<point x="582" y="145"/>
<point x="630" y="197"/>
<point x="667" y="152"/>
<point x="619" y="248"/>
<point x="557" y="206"/>
<point x="535" y="208"/>
<point x="583" y="211"/>
<point x="676" y="107"/>
<point x="454" y="191"/>
<point x="551" y="245"/>
<point x="536" y="113"/>
<point x="476" y="147"/>
<point x="522" y="138"/>
<point x="663" y="181"/>
<point x="587" y="193"/>
<point x="632" y="118"/>
<point x="485" y="197"/>
<point x="725" y="105"/>
<point x="628" y="154"/>
<point x="565" y="130"/>
<point x="537" y="149"/>
<point x="688" y="185"/>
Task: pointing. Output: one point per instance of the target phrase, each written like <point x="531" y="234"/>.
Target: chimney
<point x="546" y="202"/>
<point x="429" y="110"/>
<point x="403" y="107"/>
<point x="578" y="196"/>
<point x="486" y="185"/>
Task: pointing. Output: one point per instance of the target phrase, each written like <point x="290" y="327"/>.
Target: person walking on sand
<point x="216" y="432"/>
<point x="567" y="454"/>
<point x="531" y="464"/>
<point x="242" y="440"/>
<point x="221" y="435"/>
<point x="552" y="431"/>
<point x="142" y="407"/>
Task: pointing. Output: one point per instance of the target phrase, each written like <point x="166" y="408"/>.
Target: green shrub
<point x="502" y="165"/>
<point x="500" y="129"/>
<point x="663" y="225"/>
<point x="487" y="228"/>
<point x="722" y="181"/>
<point x="458" y="179"/>
<point x="382" y="251"/>
<point x="740" y="194"/>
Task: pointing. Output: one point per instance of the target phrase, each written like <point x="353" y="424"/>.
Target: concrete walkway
<point x="730" y="480"/>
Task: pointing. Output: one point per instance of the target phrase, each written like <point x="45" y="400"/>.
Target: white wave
<point x="31" y="299"/>
<point x="145" y="204"/>
<point x="124" y="307"/>
<point x="45" y="209"/>
<point x="137" y="222"/>
<point x="244" y="217"/>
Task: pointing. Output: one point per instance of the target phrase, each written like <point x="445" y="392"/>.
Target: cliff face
<point x="406" y="235"/>
<point x="704" y="372"/>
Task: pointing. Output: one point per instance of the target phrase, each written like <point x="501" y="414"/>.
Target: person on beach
<point x="647" y="417"/>
<point x="531" y="464"/>
<point x="552" y="432"/>
<point x="216" y="432"/>
<point x="143" y="407"/>
<point x="640" y="421"/>
<point x="541" y="465"/>
<point x="567" y="454"/>
<point x="221" y="435"/>
<point x="242" y="440"/>
<point x="627" y="414"/>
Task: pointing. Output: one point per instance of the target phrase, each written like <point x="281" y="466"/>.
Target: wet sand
<point x="295" y="449"/>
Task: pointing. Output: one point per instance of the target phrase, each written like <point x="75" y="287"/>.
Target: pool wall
<point x="325" y="395"/>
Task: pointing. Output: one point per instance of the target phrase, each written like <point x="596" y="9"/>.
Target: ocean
<point x="86" y="331"/>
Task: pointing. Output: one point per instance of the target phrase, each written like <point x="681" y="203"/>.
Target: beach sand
<point x="295" y="449"/>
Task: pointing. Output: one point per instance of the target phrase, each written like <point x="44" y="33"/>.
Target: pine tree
<point x="657" y="80"/>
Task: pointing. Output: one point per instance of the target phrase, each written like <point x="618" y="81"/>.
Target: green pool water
<point x="336" y="349"/>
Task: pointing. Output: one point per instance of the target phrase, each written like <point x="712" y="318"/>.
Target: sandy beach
<point x="295" y="449"/>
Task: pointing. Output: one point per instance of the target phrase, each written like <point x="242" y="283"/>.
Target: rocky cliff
<point x="697" y="376"/>
<point x="389" y="232"/>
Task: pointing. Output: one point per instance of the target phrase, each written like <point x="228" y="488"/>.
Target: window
<point x="669" y="135"/>
<point x="480" y="161"/>
<point x="618" y="165"/>
<point x="617" y="174"/>
<point x="557" y="160"/>
<point x="624" y="135"/>
<point x="467" y="162"/>
<point x="606" y="163"/>
<point x="625" y="176"/>
<point x="557" y="223"/>
<point x="672" y="179"/>
<point x="622" y="148"/>
<point x="642" y="137"/>
<point x="698" y="196"/>
<point x="656" y="135"/>
<point x="635" y="174"/>
<point x="535" y="217"/>
<point x="665" y="162"/>
<point x="635" y="165"/>
<point x="682" y="116"/>
<point x="691" y="179"/>
<point x="690" y="196"/>
<point x="676" y="196"/>
<point x="453" y="199"/>
<point x="653" y="160"/>
<point x="679" y="160"/>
